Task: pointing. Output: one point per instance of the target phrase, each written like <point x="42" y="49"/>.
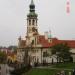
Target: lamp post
<point x="57" y="53"/>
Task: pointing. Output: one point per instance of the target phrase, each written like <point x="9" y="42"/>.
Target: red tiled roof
<point x="44" y="42"/>
<point x="71" y="43"/>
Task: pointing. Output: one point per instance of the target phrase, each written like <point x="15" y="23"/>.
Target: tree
<point x="3" y="57"/>
<point x="14" y="48"/>
<point x="62" y="51"/>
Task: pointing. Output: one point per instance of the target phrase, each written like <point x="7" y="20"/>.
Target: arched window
<point x="29" y="22"/>
<point x="36" y="22"/>
<point x="33" y="22"/>
<point x="45" y="54"/>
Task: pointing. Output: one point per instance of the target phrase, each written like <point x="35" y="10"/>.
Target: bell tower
<point x="32" y="20"/>
<point x="32" y="27"/>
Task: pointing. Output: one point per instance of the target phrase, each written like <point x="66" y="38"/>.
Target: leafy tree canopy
<point x="3" y="57"/>
<point x="62" y="51"/>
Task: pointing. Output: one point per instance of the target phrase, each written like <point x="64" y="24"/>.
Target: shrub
<point x="21" y="70"/>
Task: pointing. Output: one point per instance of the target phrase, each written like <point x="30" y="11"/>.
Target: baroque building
<point x="36" y="47"/>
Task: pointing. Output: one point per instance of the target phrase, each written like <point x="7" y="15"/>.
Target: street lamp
<point x="57" y="53"/>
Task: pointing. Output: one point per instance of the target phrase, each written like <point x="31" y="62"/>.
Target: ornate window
<point x="36" y="22"/>
<point x="33" y="22"/>
<point x="29" y="22"/>
<point x="45" y="54"/>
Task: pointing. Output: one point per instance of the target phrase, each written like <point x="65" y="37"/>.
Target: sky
<point x="51" y="16"/>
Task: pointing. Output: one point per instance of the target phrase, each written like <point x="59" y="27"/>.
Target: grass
<point x="64" y="65"/>
<point x="41" y="72"/>
<point x="68" y="67"/>
<point x="44" y="72"/>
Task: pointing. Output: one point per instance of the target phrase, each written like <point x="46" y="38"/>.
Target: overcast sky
<point x="51" y="16"/>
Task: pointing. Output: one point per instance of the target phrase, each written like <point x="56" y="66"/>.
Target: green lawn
<point x="68" y="67"/>
<point x="64" y="65"/>
<point x="44" y="72"/>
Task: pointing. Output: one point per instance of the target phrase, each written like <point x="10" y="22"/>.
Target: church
<point x="36" y="47"/>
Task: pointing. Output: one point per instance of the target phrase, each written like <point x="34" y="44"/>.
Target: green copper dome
<point x="32" y="14"/>
<point x="32" y="10"/>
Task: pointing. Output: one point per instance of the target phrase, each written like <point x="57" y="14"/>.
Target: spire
<point x="32" y="2"/>
<point x="49" y="34"/>
<point x="32" y="9"/>
<point x="32" y="6"/>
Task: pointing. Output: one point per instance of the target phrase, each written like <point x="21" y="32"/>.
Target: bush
<point x="21" y="70"/>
